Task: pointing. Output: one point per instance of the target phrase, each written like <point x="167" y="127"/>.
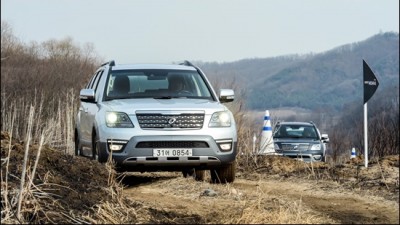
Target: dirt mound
<point x="68" y="184"/>
<point x="380" y="175"/>
<point x="284" y="165"/>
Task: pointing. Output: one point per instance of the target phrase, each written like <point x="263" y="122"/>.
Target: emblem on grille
<point x="171" y="120"/>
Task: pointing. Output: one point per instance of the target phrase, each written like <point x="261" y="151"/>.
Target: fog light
<point x="317" y="157"/>
<point x="225" y="146"/>
<point x="116" y="145"/>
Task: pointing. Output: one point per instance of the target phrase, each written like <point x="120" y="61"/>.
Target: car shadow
<point x="134" y="179"/>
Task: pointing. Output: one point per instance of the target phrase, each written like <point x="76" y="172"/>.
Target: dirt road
<point x="263" y="200"/>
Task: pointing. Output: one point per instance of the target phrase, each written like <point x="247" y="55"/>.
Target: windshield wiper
<point x="163" y="97"/>
<point x="123" y="97"/>
<point x="169" y="97"/>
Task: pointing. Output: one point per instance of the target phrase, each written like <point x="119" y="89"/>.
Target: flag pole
<point x="365" y="135"/>
<point x="371" y="83"/>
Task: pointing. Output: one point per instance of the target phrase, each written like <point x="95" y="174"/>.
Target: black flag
<point x="370" y="82"/>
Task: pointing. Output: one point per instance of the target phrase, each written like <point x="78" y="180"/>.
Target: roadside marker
<point x="353" y="153"/>
<point x="267" y="142"/>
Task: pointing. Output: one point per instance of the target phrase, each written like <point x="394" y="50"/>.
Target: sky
<point x="166" y="31"/>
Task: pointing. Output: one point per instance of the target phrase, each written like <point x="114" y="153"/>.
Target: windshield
<point x="295" y="131"/>
<point x="163" y="84"/>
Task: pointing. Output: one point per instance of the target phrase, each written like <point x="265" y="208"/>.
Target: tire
<point x="78" y="151"/>
<point x="188" y="173"/>
<point x="199" y="175"/>
<point x="96" y="151"/>
<point x="225" y="174"/>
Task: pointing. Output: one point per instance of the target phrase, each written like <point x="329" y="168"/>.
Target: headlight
<point x="118" y="119"/>
<point x="276" y="147"/>
<point x="316" y="147"/>
<point x="220" y="119"/>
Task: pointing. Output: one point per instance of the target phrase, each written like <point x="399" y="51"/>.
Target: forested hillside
<point x="326" y="80"/>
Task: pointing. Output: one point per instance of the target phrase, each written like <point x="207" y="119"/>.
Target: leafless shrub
<point x="46" y="75"/>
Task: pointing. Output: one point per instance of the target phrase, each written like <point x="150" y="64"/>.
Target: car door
<point x="88" y="110"/>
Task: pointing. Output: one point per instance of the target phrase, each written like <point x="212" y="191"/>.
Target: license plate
<point x="172" y="152"/>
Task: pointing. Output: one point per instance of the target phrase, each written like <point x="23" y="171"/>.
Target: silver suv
<point x="301" y="140"/>
<point x="153" y="117"/>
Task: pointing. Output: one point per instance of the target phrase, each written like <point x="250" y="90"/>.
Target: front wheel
<point x="198" y="175"/>
<point x="225" y="174"/>
<point x="97" y="153"/>
<point x="187" y="173"/>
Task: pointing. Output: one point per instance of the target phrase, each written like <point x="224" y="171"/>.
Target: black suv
<point x="300" y="140"/>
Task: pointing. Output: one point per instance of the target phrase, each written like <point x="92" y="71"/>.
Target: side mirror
<point x="226" y="95"/>
<point x="325" y="138"/>
<point x="87" y="95"/>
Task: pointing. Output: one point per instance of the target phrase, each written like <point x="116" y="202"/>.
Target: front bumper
<point x="138" y="152"/>
<point x="307" y="156"/>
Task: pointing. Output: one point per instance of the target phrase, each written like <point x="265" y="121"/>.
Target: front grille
<point x="295" y="147"/>
<point x="172" y="144"/>
<point x="171" y="121"/>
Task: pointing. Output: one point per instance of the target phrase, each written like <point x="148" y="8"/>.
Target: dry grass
<point x="282" y="212"/>
<point x="15" y="114"/>
<point x="32" y="203"/>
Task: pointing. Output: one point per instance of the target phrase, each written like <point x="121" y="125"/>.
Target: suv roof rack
<point x="186" y="63"/>
<point x="112" y="63"/>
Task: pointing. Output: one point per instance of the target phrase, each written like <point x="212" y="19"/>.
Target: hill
<point x="326" y="80"/>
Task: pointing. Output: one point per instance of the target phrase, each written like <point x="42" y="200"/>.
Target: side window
<point x="90" y="84"/>
<point x="94" y="80"/>
<point x="97" y="80"/>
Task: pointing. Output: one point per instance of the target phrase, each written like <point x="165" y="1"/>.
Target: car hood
<point x="131" y="106"/>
